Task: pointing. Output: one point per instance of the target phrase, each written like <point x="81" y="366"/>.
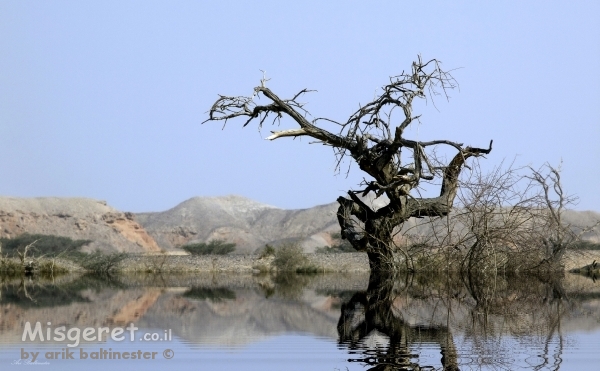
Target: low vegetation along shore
<point x="52" y="255"/>
<point x="155" y="264"/>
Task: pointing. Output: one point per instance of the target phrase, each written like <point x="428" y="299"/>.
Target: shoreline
<point x="156" y="263"/>
<point x="251" y="263"/>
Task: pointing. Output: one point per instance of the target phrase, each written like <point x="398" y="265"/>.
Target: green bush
<point x="216" y="247"/>
<point x="10" y="267"/>
<point x="35" y="254"/>
<point x="100" y="263"/>
<point x="291" y="258"/>
<point x="49" y="268"/>
<point x="266" y="251"/>
<point x="47" y="245"/>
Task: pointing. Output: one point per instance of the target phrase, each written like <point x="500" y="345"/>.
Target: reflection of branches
<point x="372" y="323"/>
<point x="369" y="313"/>
<point x="560" y="346"/>
<point x="512" y="299"/>
<point x="24" y="288"/>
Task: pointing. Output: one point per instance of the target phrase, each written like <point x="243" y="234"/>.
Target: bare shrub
<point x="155" y="263"/>
<point x="507" y="219"/>
<point x="102" y="264"/>
<point x="554" y="234"/>
<point x="290" y="258"/>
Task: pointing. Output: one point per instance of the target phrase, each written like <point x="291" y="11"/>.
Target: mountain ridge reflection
<point x="380" y="321"/>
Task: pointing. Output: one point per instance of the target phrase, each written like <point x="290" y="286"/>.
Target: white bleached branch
<point x="286" y="133"/>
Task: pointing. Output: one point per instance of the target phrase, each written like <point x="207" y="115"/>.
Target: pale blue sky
<point x="104" y="99"/>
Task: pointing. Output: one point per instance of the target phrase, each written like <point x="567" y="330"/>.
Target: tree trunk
<point x="372" y="231"/>
<point x="372" y="311"/>
<point x="375" y="142"/>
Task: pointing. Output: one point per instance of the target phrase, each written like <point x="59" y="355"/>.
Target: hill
<point x="251" y="225"/>
<point x="247" y="223"/>
<point x="77" y="218"/>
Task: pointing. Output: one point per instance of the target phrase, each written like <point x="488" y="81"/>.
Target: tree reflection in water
<point x="373" y="314"/>
<point x="471" y="321"/>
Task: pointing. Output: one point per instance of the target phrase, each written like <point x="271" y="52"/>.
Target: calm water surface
<point x="329" y="322"/>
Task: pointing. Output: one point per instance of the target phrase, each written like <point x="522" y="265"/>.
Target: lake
<point x="323" y="322"/>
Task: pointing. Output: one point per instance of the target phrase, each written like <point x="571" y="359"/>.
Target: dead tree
<point x="374" y="139"/>
<point x="552" y="231"/>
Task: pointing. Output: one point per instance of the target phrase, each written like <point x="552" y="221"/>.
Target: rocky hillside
<point x="77" y="218"/>
<point x="249" y="224"/>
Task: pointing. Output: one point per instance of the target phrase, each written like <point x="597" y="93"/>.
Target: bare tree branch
<point x="373" y="137"/>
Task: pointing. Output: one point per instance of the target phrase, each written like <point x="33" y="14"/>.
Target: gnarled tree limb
<point x="375" y="141"/>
